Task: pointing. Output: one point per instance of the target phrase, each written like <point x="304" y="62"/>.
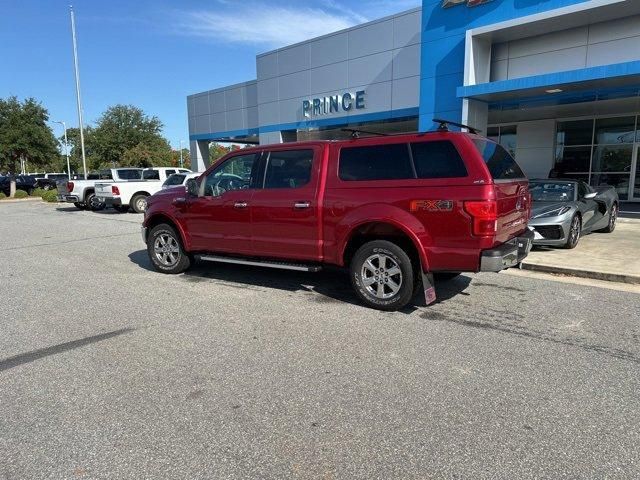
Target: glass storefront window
<point x="618" y="180"/>
<point x="615" y="130"/>
<point x="612" y="158"/>
<point x="576" y="132"/>
<point x="505" y="135"/>
<point x="572" y="159"/>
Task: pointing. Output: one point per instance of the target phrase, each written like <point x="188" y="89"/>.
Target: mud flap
<point x="428" y="285"/>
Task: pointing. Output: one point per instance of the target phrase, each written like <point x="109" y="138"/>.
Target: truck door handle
<point x="301" y="205"/>
<point x="240" y="205"/>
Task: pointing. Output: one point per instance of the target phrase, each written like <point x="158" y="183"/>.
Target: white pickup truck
<point x="81" y="192"/>
<point x="133" y="194"/>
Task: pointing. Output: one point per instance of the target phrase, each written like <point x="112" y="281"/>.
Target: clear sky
<point x="153" y="53"/>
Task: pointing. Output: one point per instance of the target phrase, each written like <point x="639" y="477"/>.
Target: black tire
<point x="47" y="187"/>
<point x="162" y="260"/>
<point x="613" y="218"/>
<point x="139" y="203"/>
<point x="386" y="287"/>
<point x="575" y="229"/>
<point x="91" y="203"/>
<point x="29" y="191"/>
<point x="79" y="206"/>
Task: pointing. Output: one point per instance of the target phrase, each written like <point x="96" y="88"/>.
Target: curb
<point x="18" y="200"/>
<point x="575" y="272"/>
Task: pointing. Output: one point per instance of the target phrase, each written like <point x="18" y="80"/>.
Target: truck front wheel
<point x="382" y="275"/>
<point x="165" y="250"/>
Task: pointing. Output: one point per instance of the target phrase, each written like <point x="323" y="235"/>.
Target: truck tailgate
<point x="513" y="204"/>
<point x="103" y="190"/>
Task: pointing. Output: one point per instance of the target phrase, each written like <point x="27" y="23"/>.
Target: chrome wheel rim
<point x="141" y="204"/>
<point x="381" y="276"/>
<point x="614" y="217"/>
<point x="166" y="250"/>
<point x="575" y="230"/>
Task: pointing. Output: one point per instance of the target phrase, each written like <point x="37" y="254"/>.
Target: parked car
<point x="82" y="192"/>
<point x="134" y="194"/>
<point x="23" y="182"/>
<point x="565" y="209"/>
<point x="393" y="210"/>
<point x="49" y="181"/>
<point x="178" y="180"/>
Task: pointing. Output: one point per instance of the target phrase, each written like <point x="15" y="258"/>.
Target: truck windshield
<point x="130" y="174"/>
<point x="500" y="163"/>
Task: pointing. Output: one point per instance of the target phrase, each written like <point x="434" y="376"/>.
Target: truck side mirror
<point x="192" y="187"/>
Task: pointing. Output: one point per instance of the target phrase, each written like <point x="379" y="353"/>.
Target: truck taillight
<point x="484" y="214"/>
<point x="115" y="190"/>
<point x="70" y="187"/>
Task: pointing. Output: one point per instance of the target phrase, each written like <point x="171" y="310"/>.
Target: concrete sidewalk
<point x="603" y="256"/>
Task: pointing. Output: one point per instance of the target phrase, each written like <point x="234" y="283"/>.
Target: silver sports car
<point x="564" y="209"/>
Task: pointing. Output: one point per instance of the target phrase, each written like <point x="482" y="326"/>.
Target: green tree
<point x="217" y="151"/>
<point x="25" y="135"/>
<point x="124" y="131"/>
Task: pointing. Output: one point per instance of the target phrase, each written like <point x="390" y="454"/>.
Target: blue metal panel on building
<point x="443" y="48"/>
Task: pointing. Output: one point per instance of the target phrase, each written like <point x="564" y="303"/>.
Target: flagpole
<point x="78" y="100"/>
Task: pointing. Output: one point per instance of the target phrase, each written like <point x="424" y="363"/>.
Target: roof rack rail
<point x="444" y="125"/>
<point x="355" y="133"/>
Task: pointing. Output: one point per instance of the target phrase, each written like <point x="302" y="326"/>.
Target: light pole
<point x="181" y="162"/>
<point x="78" y="100"/>
<point x="66" y="146"/>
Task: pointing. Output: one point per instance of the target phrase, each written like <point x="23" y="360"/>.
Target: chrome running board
<point x="299" y="267"/>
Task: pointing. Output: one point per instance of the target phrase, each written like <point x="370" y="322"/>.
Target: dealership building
<point x="557" y="82"/>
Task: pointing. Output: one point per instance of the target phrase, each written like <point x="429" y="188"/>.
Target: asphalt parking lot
<point x="110" y="370"/>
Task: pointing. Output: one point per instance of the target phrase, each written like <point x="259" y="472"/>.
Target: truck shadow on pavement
<point x="328" y="285"/>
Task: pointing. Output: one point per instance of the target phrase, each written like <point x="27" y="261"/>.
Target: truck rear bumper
<point x="110" y="201"/>
<point x="507" y="255"/>
<point x="68" y="198"/>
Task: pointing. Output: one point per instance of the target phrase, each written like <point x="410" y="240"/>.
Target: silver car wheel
<point x="166" y="250"/>
<point x="141" y="204"/>
<point x="381" y="276"/>
<point x="574" y="232"/>
<point x="613" y="217"/>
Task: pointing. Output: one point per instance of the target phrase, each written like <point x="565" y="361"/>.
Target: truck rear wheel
<point x="382" y="275"/>
<point x="92" y="203"/>
<point x="165" y="250"/>
<point x="139" y="203"/>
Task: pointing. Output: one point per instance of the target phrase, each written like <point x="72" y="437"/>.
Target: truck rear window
<point x="435" y="159"/>
<point x="500" y="163"/>
<point x="438" y="159"/>
<point x="379" y="162"/>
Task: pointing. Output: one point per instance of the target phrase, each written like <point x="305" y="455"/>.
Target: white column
<point x="199" y="153"/>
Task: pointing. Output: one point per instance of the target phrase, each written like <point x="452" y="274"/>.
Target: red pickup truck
<point x="392" y="209"/>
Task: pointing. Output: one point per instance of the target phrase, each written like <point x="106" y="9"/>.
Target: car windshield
<point x="552" y="191"/>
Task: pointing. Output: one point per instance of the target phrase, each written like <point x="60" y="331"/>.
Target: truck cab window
<point x="288" y="169"/>
<point x="151" y="175"/>
<point x="234" y="174"/>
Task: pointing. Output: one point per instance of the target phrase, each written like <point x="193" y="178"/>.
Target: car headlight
<point x="554" y="213"/>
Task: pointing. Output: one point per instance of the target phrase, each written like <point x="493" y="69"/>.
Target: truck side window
<point x="151" y="175"/>
<point x="288" y="169"/>
<point x="234" y="174"/>
<point x="379" y="162"/>
<point x="438" y="159"/>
